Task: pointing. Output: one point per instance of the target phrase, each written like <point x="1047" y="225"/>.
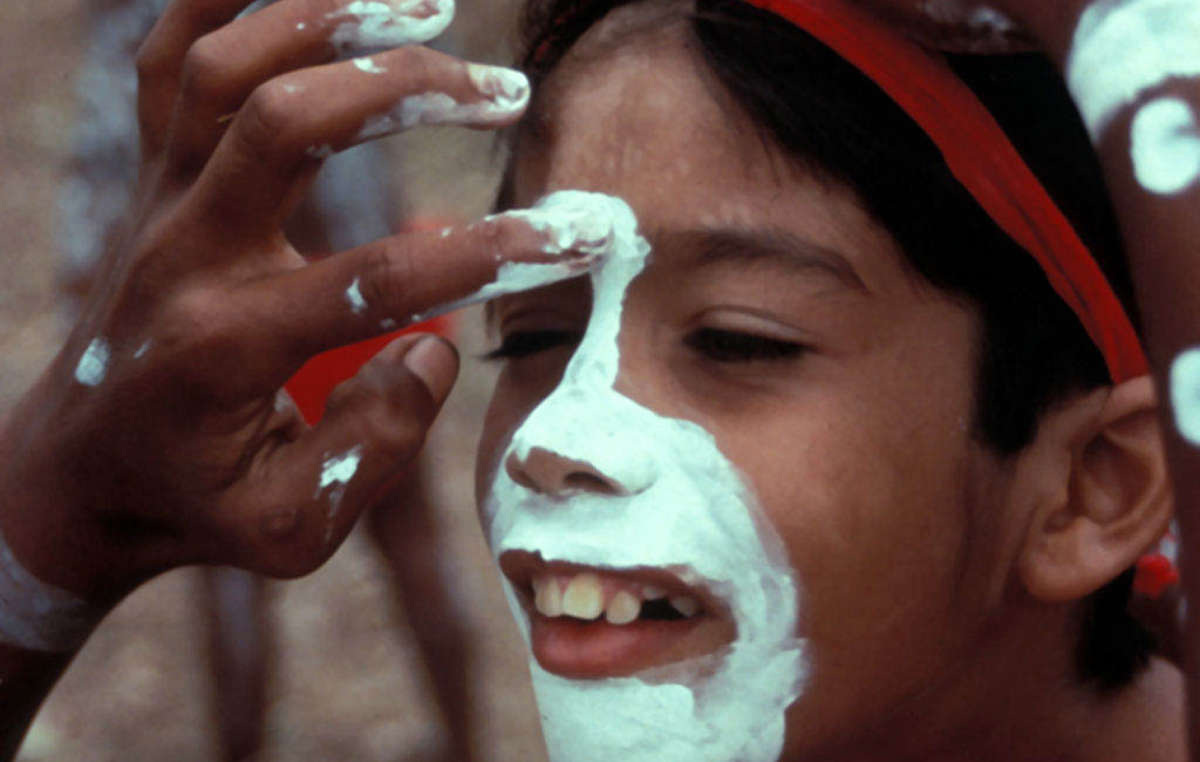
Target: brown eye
<point x="734" y="347"/>
<point x="524" y="343"/>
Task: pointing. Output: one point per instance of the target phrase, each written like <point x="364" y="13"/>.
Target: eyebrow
<point x="765" y="245"/>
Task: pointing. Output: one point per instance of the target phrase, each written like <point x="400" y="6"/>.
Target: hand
<point x="159" y="436"/>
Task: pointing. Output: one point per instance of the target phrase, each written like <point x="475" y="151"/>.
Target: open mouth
<point x="587" y="622"/>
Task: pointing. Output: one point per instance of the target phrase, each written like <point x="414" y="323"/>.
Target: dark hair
<point x="1033" y="350"/>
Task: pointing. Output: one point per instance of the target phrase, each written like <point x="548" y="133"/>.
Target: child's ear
<point x="1107" y="499"/>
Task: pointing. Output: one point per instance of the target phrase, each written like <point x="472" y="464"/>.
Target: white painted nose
<point x="551" y="474"/>
<point x="584" y="440"/>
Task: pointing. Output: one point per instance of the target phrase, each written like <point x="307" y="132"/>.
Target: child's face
<point x="776" y="315"/>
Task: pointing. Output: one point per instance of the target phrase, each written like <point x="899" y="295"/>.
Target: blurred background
<point x="334" y="666"/>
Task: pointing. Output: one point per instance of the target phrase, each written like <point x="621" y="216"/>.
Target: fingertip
<point x="434" y="361"/>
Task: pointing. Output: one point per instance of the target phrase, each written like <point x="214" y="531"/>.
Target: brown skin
<point x="940" y="583"/>
<point x="1160" y="234"/>
<point x="100" y="493"/>
<point x="182" y="455"/>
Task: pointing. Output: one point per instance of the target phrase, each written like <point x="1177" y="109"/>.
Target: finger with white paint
<point x="269" y="154"/>
<point x="222" y="68"/>
<point x="309" y="492"/>
<point x="410" y="277"/>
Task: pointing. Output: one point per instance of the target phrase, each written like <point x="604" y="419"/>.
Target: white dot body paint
<point x="365" y="64"/>
<point x="682" y="505"/>
<point x="1165" y="146"/>
<point x="93" y="364"/>
<point x="1122" y="48"/>
<point x="336" y="473"/>
<point x="1184" y="381"/>
<point x="37" y="616"/>
<point x="506" y="94"/>
<point x="571" y="221"/>
<point x="376" y="25"/>
<point x="358" y="304"/>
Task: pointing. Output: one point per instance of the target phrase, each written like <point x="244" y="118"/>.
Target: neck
<point x="1020" y="699"/>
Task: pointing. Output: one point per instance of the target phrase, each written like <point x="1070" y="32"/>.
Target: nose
<point x="552" y="474"/>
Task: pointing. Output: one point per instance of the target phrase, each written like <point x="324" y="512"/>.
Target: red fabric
<point x="981" y="157"/>
<point x="312" y="384"/>
<point x="1155" y="573"/>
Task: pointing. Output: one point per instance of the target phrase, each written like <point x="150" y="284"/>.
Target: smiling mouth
<point x="587" y="622"/>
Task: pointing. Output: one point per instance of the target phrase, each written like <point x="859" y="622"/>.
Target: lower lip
<point x="581" y="649"/>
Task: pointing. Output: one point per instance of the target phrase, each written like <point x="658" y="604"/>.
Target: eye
<point x="735" y="347"/>
<point x="524" y="343"/>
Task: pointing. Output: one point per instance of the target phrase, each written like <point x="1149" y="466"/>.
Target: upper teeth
<point x="586" y="596"/>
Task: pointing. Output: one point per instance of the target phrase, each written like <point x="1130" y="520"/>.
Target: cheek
<point x="872" y="520"/>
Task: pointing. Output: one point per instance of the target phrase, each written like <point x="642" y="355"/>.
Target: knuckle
<point x="265" y="122"/>
<point x="198" y="326"/>
<point x="502" y="235"/>
<point x="391" y="413"/>
<point x="387" y="277"/>
<point x="205" y="67"/>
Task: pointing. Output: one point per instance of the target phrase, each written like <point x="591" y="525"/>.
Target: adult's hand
<point x="159" y="437"/>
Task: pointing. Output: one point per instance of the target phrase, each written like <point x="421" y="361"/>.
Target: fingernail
<point x="507" y="88"/>
<point x="435" y="362"/>
<point x="375" y="25"/>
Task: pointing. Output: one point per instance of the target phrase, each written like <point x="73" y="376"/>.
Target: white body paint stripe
<point x="1122" y="48"/>
<point x="93" y="364"/>
<point x="1184" y="383"/>
<point x="1165" y="146"/>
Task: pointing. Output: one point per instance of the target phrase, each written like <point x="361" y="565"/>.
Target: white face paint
<point x="37" y="616"/>
<point x="1165" y="146"/>
<point x="93" y="364"/>
<point x="1122" y="48"/>
<point x="374" y="25"/>
<point x="506" y="95"/>
<point x="1185" y="394"/>
<point x="682" y="506"/>
<point x="569" y="223"/>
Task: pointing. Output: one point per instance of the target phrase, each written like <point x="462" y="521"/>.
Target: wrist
<point x="48" y="538"/>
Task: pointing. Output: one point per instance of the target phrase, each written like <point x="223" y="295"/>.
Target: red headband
<point x="980" y="156"/>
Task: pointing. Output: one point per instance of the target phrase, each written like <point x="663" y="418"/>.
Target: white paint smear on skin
<point x="93" y="364"/>
<point x="1165" y="146"/>
<point x="1122" y="48"/>
<point x="336" y="473"/>
<point x="571" y="221"/>
<point x="507" y="95"/>
<point x="681" y="505"/>
<point x="376" y="25"/>
<point x="1185" y="394"/>
<point x="38" y="616"/>
<point x="358" y="304"/>
<point x="367" y="65"/>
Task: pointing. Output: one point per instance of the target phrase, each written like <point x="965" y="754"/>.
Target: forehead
<point x="634" y="110"/>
